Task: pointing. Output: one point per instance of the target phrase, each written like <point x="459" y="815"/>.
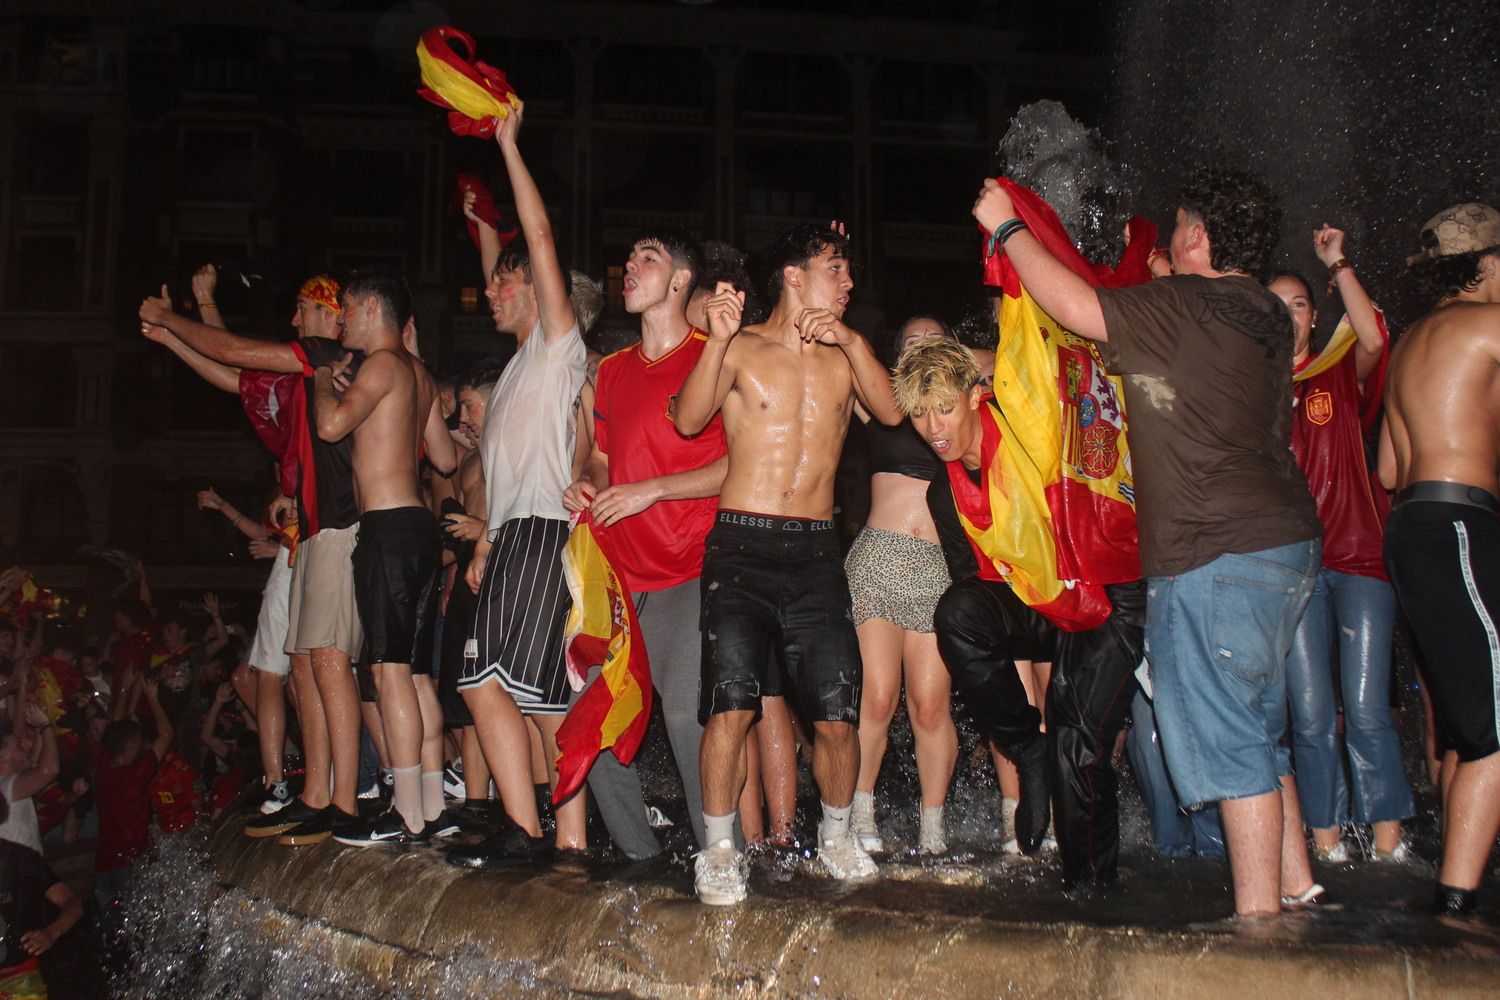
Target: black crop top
<point x="901" y="450"/>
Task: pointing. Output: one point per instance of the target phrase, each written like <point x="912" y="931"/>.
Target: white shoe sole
<point x="717" y="897"/>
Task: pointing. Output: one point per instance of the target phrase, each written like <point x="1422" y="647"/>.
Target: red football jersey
<point x="174" y="800"/>
<point x="1330" y="448"/>
<point x="661" y="546"/>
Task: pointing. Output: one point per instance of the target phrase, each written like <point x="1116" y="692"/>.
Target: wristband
<point x="1333" y="271"/>
<point x="1002" y="232"/>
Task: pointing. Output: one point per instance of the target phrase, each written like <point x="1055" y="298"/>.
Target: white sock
<point x="718" y="828"/>
<point x="864" y="803"/>
<point x="932" y="814"/>
<point x="406" y="795"/>
<point x="835" y="822"/>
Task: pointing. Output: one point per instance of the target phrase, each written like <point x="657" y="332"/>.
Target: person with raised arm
<point x="515" y="675"/>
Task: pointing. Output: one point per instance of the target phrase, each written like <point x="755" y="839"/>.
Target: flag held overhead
<point x="476" y="94"/>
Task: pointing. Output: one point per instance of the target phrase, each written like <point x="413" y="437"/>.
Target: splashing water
<point x="1065" y="163"/>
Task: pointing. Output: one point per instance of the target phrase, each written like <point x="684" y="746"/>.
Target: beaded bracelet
<point x="1003" y="232"/>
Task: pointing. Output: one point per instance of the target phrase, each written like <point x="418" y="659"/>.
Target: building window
<point x="783" y="84"/>
<point x="653" y="76"/>
<point x="52" y="155"/>
<point x="43" y="273"/>
<point x="370" y="182"/>
<point x="38" y="386"/>
<point x="921" y="93"/>
<point x="216" y="164"/>
<point x="54" y="517"/>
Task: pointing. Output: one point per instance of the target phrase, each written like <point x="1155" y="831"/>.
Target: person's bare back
<point x="1443" y="400"/>
<point x="387" y="445"/>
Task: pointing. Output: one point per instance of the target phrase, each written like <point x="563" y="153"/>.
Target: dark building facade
<point x="282" y="138"/>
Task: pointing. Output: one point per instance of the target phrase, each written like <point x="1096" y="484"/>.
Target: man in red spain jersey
<point x="655" y="492"/>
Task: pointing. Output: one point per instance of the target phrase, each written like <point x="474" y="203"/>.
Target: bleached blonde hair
<point x="934" y="370"/>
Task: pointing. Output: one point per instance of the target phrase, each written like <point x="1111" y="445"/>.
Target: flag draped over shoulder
<point x="614" y="710"/>
<point x="477" y="94"/>
<point x="1336" y="349"/>
<point x="1060" y="486"/>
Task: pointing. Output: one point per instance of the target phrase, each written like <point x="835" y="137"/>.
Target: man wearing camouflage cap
<point x="1441" y="453"/>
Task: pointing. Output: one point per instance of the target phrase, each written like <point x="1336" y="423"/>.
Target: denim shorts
<point x="776" y="593"/>
<point x="1217" y="638"/>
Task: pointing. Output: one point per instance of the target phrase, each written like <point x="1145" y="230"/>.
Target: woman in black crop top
<point x="896" y="575"/>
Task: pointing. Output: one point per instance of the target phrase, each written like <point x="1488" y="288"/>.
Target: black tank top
<point x="901" y="450"/>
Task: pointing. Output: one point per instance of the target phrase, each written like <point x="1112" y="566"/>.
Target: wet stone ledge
<point x="385" y="923"/>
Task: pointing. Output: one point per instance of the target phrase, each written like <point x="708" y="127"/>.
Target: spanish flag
<point x="27" y="601"/>
<point x="1060" y="498"/>
<point x="613" y="712"/>
<point x="477" y="94"/>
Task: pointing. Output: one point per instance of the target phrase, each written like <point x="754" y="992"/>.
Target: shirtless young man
<point x="1441" y="453"/>
<point x="773" y="575"/>
<point x="653" y="492"/>
<point x="391" y="409"/>
<point x="323" y="633"/>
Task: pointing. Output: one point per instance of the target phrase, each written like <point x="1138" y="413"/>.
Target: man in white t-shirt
<point x="514" y="670"/>
<point x="20" y="779"/>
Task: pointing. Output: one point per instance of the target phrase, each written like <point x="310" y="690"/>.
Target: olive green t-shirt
<point x="1207" y="366"/>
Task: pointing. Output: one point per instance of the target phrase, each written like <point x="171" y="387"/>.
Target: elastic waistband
<point x="766" y="522"/>
<point x="1440" y="492"/>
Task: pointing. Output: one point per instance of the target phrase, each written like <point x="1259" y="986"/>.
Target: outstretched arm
<point x="31" y="781"/>
<point x="220" y="376"/>
<point x="1063" y="295"/>
<point x="220" y="345"/>
<point x="707" y="385"/>
<point x="1328" y="243"/>
<point x="552" y="300"/>
<point x="339" y="415"/>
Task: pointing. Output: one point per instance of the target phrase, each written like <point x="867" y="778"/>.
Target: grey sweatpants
<point x="669" y="625"/>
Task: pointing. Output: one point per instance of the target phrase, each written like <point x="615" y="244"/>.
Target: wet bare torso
<point x="899" y="504"/>
<point x="785" y="418"/>
<point x="470" y="480"/>
<point x="1443" y="398"/>
<point x="387" y="443"/>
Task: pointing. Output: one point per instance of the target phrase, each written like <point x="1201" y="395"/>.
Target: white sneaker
<point x="862" y="823"/>
<point x="1008" y="842"/>
<point x="720" y="874"/>
<point x="844" y="858"/>
<point x="1400" y="855"/>
<point x="1338" y="854"/>
<point x="932" y="838"/>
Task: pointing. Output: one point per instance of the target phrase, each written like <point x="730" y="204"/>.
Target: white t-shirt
<point x="21" y="826"/>
<point x="528" y="439"/>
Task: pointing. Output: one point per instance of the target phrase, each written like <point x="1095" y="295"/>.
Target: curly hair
<point x="935" y="370"/>
<point x="1444" y="277"/>
<point x="796" y="246"/>
<point x="1240" y="214"/>
<point x="980" y="329"/>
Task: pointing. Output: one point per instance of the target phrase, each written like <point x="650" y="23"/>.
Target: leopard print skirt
<point x="895" y="577"/>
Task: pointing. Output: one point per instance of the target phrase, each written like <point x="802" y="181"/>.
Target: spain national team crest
<point x="1319" y="407"/>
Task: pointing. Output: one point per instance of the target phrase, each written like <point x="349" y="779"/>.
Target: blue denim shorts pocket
<point x="1248" y="615"/>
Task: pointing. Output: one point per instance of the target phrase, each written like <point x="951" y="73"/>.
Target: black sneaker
<point x="510" y="848"/>
<point x="277" y="823"/>
<point x="386" y="830"/>
<point x="1035" y="809"/>
<point x="317" y="830"/>
<point x="445" y="826"/>
<point x="274" y="797"/>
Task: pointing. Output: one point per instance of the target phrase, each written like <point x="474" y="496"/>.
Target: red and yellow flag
<point x="1061" y="500"/>
<point x="613" y="712"/>
<point x="477" y="94"/>
<point x="27" y="601"/>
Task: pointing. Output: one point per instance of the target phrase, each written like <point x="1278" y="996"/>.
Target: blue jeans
<point x="1364" y="608"/>
<point x="1217" y="638"/>
<point x="1174" y="833"/>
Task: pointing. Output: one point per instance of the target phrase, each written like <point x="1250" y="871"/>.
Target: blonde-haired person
<point x="983" y="627"/>
<point x="896" y="575"/>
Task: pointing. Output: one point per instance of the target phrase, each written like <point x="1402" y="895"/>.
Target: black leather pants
<point x="982" y="629"/>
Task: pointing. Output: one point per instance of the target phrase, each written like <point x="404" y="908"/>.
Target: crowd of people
<point x="1285" y="502"/>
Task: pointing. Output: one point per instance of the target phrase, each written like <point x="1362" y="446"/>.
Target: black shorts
<point x="776" y="586"/>
<point x="1444" y="561"/>
<point x="521" y="611"/>
<point x="396" y="564"/>
<point x="461" y="605"/>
